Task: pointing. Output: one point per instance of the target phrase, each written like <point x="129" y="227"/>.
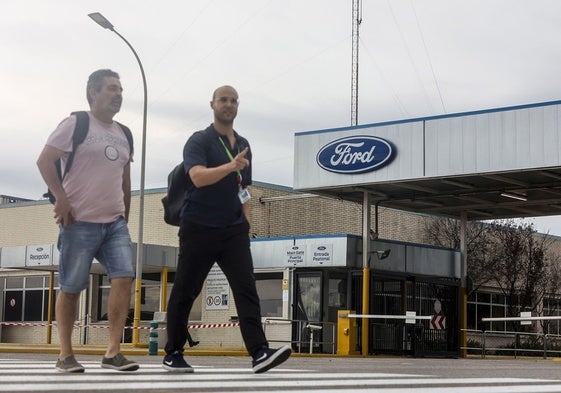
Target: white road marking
<point x="31" y="376"/>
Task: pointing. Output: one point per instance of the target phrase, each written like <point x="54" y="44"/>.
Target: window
<point x="13" y="282"/>
<point x="552" y="307"/>
<point x="269" y="288"/>
<point x="472" y="323"/>
<point x="34" y="305"/>
<point x="26" y="298"/>
<point x="487" y="305"/>
<point x="13" y="306"/>
<point x="337" y="293"/>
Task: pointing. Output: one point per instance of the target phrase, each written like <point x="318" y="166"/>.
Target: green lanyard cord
<point x="231" y="158"/>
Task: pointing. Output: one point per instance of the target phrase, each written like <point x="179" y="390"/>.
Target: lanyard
<point x="239" y="178"/>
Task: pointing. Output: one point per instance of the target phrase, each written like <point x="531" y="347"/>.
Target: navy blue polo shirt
<point x="215" y="205"/>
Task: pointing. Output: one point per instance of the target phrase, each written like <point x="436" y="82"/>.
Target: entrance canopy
<point x="491" y="164"/>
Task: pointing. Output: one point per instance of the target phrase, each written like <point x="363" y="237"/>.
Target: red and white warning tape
<point x="104" y="326"/>
<point x="213" y="325"/>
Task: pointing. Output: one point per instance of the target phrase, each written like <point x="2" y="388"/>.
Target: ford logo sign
<point x="356" y="154"/>
<point x="39" y="249"/>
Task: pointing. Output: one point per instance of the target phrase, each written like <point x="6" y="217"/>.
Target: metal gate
<point x="394" y="295"/>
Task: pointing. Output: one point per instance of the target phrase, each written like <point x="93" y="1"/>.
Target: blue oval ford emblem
<point x="356" y="154"/>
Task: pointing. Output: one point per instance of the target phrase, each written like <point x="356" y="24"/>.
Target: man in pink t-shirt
<point x="91" y="208"/>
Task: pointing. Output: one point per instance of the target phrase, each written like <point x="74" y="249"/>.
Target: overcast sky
<point x="290" y="61"/>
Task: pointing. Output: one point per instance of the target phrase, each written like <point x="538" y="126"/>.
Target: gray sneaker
<point x="120" y="363"/>
<point x="69" y="365"/>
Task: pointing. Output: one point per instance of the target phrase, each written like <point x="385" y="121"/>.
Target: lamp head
<point x="101" y="20"/>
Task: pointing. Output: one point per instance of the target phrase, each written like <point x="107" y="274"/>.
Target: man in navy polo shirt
<point x="215" y="228"/>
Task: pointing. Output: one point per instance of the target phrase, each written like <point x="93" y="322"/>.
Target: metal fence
<point x="512" y="343"/>
<point x="303" y="336"/>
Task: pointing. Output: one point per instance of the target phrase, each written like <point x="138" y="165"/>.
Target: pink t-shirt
<point x="94" y="184"/>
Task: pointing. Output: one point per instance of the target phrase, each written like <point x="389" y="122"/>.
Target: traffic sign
<point x="438" y="322"/>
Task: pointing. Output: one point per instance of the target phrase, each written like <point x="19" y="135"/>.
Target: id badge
<point x="244" y="196"/>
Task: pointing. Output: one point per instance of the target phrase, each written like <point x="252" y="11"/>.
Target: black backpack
<point x="177" y="185"/>
<point x="173" y="201"/>
<point x="79" y="135"/>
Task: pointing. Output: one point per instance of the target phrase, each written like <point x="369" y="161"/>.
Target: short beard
<point x="225" y="121"/>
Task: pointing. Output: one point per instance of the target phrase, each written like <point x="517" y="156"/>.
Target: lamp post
<point x="103" y="22"/>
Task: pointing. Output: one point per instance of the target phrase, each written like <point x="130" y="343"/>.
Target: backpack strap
<point x="128" y="134"/>
<point x="78" y="136"/>
<point x="80" y="132"/>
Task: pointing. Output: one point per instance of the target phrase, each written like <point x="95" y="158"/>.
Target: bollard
<point x="153" y="343"/>
<point x="346" y="333"/>
<point x="312" y="328"/>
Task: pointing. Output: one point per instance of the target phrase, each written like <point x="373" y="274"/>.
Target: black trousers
<point x="199" y="247"/>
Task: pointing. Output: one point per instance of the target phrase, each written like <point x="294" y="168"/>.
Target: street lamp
<point x="103" y="22"/>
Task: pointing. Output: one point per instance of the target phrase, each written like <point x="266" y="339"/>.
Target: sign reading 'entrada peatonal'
<point x="310" y="255"/>
<point x="355" y="154"/>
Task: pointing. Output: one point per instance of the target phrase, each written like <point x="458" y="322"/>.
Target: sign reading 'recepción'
<point x="356" y="154"/>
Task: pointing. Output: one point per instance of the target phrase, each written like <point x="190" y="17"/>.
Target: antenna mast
<point x="357" y="20"/>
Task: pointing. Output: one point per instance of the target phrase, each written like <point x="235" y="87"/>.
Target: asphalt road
<point x="22" y="372"/>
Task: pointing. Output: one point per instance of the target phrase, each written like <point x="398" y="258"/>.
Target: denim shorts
<point x="81" y="242"/>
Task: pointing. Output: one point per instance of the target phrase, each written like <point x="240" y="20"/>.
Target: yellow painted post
<point x="50" y="307"/>
<point x="365" y="310"/>
<point x="164" y="288"/>
<point x="346" y="333"/>
<point x="366" y="242"/>
<point x="137" y="311"/>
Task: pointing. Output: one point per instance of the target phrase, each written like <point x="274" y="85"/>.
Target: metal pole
<point x="140" y="241"/>
<point x="103" y="22"/>
<point x="357" y="20"/>
<point x="463" y="285"/>
<point x="365" y="272"/>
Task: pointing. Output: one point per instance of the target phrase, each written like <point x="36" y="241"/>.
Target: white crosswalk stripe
<point x="40" y="376"/>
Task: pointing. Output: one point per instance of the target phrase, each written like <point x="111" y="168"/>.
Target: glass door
<point x="307" y="309"/>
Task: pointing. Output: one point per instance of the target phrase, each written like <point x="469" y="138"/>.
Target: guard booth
<point x="319" y="295"/>
<point x="404" y="277"/>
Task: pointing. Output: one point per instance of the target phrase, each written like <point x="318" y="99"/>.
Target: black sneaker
<point x="175" y="363"/>
<point x="267" y="358"/>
